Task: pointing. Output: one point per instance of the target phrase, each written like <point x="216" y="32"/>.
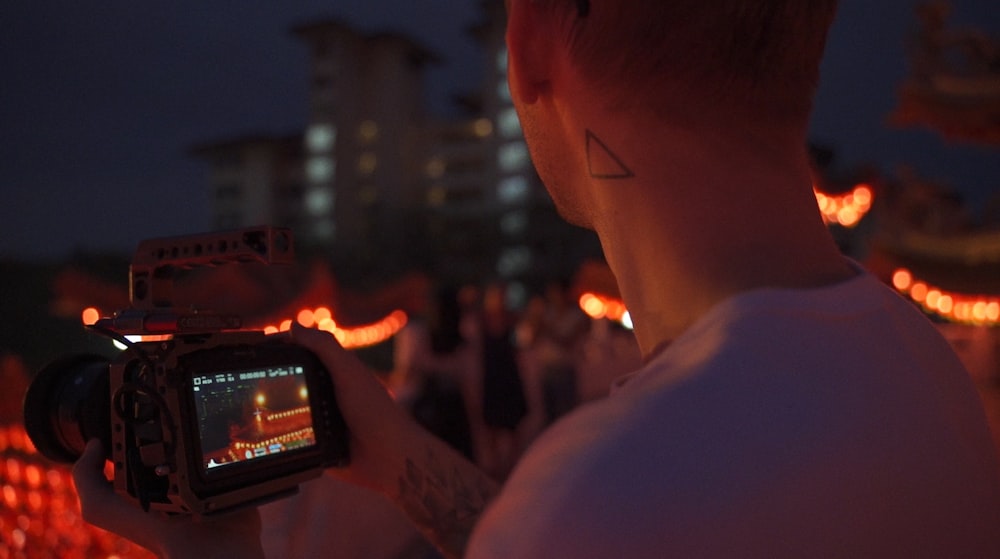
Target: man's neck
<point x="708" y="221"/>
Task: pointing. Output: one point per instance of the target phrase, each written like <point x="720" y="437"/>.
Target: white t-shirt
<point x="830" y="422"/>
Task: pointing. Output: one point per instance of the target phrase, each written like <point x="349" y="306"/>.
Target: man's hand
<point x="235" y="534"/>
<point x="379" y="428"/>
<point x="442" y="492"/>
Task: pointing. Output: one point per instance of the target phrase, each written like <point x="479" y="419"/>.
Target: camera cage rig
<point x="153" y="444"/>
<point x="156" y="262"/>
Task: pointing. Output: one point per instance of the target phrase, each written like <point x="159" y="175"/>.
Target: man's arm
<point x="444" y="495"/>
<point x="439" y="489"/>
<point x="236" y="534"/>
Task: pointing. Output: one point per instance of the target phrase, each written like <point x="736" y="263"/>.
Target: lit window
<point x="435" y="168"/>
<point x="323" y="229"/>
<point x="319" y="201"/>
<point x="368" y="131"/>
<point x="321" y="137"/>
<point x="482" y="127"/>
<point x="367" y="195"/>
<point x="436" y="195"/>
<point x="513" y="157"/>
<point x="514" y="223"/>
<point x="514" y="260"/>
<point x="503" y="91"/>
<point x="517" y="295"/>
<point x="367" y="163"/>
<point x="510" y="126"/>
<point x="320" y="169"/>
<point x="512" y="189"/>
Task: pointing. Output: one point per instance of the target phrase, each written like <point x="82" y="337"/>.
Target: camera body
<point x="207" y="417"/>
<point x="201" y="424"/>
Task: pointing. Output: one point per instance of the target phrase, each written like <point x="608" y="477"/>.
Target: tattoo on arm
<point x="445" y="499"/>
<point x="602" y="163"/>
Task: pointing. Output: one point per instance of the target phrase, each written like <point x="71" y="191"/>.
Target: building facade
<point x="375" y="177"/>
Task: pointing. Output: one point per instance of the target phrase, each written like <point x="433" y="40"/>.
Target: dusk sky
<point x="100" y="103"/>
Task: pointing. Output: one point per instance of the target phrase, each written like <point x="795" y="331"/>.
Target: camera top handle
<point x="151" y="274"/>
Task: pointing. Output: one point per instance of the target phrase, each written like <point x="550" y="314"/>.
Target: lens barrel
<point x="67" y="404"/>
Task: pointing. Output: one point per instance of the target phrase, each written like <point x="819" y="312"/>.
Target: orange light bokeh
<point x="40" y="511"/>
<point x="90" y="316"/>
<point x="599" y="306"/>
<point x="349" y="337"/>
<point x="845" y="209"/>
<point x="320" y="317"/>
<point x="956" y="307"/>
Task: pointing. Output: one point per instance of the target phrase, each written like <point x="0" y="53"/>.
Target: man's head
<point x="601" y="84"/>
<point x="697" y="58"/>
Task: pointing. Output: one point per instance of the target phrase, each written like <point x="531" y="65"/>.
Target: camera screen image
<point x="251" y="414"/>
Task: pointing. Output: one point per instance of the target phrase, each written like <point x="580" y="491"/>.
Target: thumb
<point x="99" y="505"/>
<point x="88" y="473"/>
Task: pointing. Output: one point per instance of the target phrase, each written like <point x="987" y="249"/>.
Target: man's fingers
<point x="348" y="372"/>
<point x="99" y="505"/>
<point x="88" y="473"/>
<point x="323" y="344"/>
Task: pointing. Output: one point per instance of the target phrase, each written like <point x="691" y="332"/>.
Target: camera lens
<point x="67" y="404"/>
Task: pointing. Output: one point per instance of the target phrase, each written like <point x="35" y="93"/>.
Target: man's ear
<point x="531" y="37"/>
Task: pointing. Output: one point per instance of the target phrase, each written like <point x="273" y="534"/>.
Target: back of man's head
<point x="755" y="59"/>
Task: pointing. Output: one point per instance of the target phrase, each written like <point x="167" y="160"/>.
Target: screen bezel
<point x="246" y="473"/>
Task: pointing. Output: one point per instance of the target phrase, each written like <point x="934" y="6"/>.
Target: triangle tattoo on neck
<point x="602" y="162"/>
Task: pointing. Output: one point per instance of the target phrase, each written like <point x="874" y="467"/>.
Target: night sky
<point x="100" y="102"/>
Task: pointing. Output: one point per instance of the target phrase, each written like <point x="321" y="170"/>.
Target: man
<point x="790" y="405"/>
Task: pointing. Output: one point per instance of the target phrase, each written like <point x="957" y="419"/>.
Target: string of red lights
<point x="955" y="307"/>
<point x="845" y="209"/>
<point x="349" y="337"/>
<point x="321" y="318"/>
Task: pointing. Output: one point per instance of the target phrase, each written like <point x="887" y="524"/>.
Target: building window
<point x="482" y="127"/>
<point x="517" y="295"/>
<point x="319" y="201"/>
<point x="320" y="169"/>
<point x="368" y="132"/>
<point x="368" y="195"/>
<point x="367" y="163"/>
<point x="512" y="189"/>
<point x="320" y="138"/>
<point x="509" y="124"/>
<point x="435" y="168"/>
<point x="513" y="261"/>
<point x="436" y="195"/>
<point x="514" y="223"/>
<point x="513" y="157"/>
<point x="503" y="91"/>
<point x="323" y="229"/>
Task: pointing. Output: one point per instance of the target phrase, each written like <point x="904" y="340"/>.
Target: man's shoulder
<point x="787" y="414"/>
<point x="555" y="492"/>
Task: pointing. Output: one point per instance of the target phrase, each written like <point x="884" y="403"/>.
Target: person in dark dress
<point x="504" y="403"/>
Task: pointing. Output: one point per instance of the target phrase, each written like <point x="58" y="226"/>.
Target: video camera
<point x="207" y="418"/>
